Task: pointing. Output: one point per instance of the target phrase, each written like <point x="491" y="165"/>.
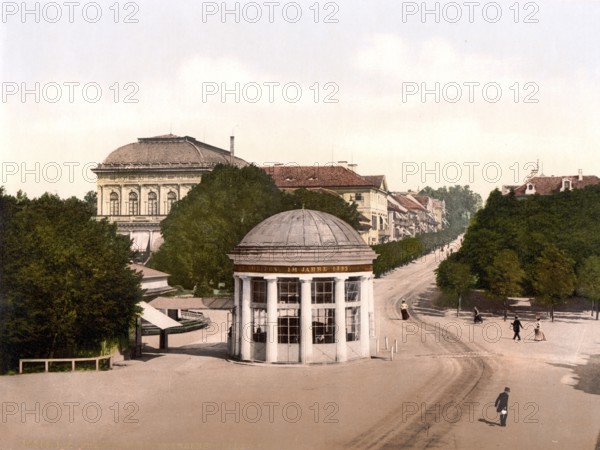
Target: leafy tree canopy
<point x="569" y="221"/>
<point x="553" y="276"/>
<point x="453" y="277"/>
<point x="505" y="274"/>
<point x="216" y="214"/>
<point x="65" y="283"/>
<point x="588" y="279"/>
<point x="461" y="203"/>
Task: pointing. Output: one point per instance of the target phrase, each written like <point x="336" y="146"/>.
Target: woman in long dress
<point x="539" y="334"/>
<point x="404" y="310"/>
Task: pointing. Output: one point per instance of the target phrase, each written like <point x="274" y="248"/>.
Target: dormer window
<point x="530" y="189"/>
<point x="566" y="185"/>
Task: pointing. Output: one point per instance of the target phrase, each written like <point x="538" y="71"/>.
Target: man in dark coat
<point x="502" y="406"/>
<point x="517" y="328"/>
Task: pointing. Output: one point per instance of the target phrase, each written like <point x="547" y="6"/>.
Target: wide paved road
<point x="451" y="379"/>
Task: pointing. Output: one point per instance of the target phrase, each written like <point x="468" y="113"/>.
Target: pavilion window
<point x="171" y="199"/>
<point x="353" y="324"/>
<point x="288" y="290"/>
<point x="259" y="290"/>
<point x="152" y="204"/>
<point x="323" y="325"/>
<point x="323" y="290"/>
<point x="288" y="326"/>
<point x="133" y="204"/>
<point x="259" y="325"/>
<point x="114" y="204"/>
<point x="352" y="293"/>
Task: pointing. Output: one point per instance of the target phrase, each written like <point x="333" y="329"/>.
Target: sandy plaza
<point x="437" y="392"/>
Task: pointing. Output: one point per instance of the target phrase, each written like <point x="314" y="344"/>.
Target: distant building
<point x="421" y="219"/>
<point x="153" y="282"/>
<point x="543" y="185"/>
<point x="137" y="184"/>
<point x="368" y="192"/>
<point x="400" y="219"/>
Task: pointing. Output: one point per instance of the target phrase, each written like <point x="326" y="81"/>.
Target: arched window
<point x="114" y="204"/>
<point x="152" y="204"/>
<point x="171" y="198"/>
<point x="133" y="204"/>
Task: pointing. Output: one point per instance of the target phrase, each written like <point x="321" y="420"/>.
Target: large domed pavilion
<point x="303" y="291"/>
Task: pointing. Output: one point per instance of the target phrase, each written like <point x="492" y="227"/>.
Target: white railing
<point x="72" y="360"/>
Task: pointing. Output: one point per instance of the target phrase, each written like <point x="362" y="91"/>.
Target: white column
<point x="99" y="200"/>
<point x="340" y="319"/>
<point x="246" y="321"/>
<point x="271" y="354"/>
<point x="371" y="306"/>
<point x="235" y="325"/>
<point x="305" y="322"/>
<point x="364" y="318"/>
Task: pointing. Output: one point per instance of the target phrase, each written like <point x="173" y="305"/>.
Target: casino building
<point x="138" y="183"/>
<point x="303" y="291"/>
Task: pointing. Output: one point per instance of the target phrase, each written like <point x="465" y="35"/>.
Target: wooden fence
<point x="72" y="360"/>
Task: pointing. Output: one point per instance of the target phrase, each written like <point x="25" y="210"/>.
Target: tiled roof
<point x="147" y="272"/>
<point x="315" y="176"/>
<point x="551" y="185"/>
<point x="422" y="199"/>
<point x="408" y="202"/>
<point x="394" y="205"/>
<point x="375" y="180"/>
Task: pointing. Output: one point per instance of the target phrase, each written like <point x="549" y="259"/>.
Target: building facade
<point x="368" y="192"/>
<point x="544" y="185"/>
<point x="138" y="184"/>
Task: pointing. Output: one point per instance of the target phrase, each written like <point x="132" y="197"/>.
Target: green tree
<point x="505" y="276"/>
<point x="66" y="284"/>
<point x="323" y="201"/>
<point x="588" y="280"/>
<point x="553" y="277"/>
<point x="216" y="214"/>
<point x="461" y="203"/>
<point x="91" y="199"/>
<point x="454" y="279"/>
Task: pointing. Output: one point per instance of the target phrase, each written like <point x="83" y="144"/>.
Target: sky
<point x="425" y="93"/>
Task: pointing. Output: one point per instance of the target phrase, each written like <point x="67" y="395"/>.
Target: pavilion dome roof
<point x="303" y="236"/>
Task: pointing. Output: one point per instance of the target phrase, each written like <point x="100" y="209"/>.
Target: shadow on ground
<point x="212" y="350"/>
<point x="588" y="375"/>
<point x="489" y="423"/>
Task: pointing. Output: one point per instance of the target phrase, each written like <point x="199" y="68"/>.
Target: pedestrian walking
<point x="539" y="334"/>
<point x="477" y="316"/>
<point x="517" y="326"/>
<point x="404" y="310"/>
<point x="502" y="406"/>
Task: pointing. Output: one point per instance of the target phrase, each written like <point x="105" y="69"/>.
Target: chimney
<point x="343" y="164"/>
<point x="232" y="145"/>
<point x="580" y="175"/>
<point x="352" y="167"/>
